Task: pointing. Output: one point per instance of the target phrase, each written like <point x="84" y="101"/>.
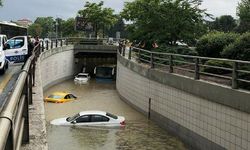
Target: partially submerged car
<point x="82" y="78"/>
<point x="60" y="97"/>
<point x="91" y="118"/>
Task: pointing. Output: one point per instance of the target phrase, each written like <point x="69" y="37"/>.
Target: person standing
<point x="30" y="48"/>
<point x="36" y="41"/>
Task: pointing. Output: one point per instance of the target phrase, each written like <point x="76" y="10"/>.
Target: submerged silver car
<point x="91" y="118"/>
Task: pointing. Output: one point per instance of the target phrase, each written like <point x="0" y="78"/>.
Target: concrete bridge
<point x="205" y="115"/>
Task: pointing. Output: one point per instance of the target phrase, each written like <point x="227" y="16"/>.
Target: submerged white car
<point x="82" y="78"/>
<point x="91" y="118"/>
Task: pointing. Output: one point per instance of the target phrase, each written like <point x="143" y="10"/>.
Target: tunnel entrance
<point x="87" y="61"/>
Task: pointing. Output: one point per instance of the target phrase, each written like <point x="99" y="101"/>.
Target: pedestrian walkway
<point x="37" y="124"/>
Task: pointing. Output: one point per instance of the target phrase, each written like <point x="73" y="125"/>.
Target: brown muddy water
<point x="138" y="134"/>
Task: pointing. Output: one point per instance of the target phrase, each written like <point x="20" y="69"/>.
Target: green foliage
<point x="119" y="26"/>
<point x="97" y="14"/>
<point x="212" y="44"/>
<point x="184" y="50"/>
<point x="68" y="28"/>
<point x="47" y="24"/>
<point x="217" y="63"/>
<point x="35" y="30"/>
<point x="240" y="49"/>
<point x="243" y="11"/>
<point x="1" y="3"/>
<point x="225" y="23"/>
<point x="164" y="20"/>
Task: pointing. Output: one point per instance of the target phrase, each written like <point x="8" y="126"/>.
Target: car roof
<point x="98" y="112"/>
<point x="60" y="93"/>
<point x="83" y="73"/>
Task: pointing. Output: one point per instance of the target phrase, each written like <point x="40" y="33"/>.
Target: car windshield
<point x="111" y="115"/>
<point x="69" y="119"/>
<point x="55" y="96"/>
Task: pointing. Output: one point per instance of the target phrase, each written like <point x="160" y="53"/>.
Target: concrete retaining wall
<point x="57" y="65"/>
<point x="201" y="122"/>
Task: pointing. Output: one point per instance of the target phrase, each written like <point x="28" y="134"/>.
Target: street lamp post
<point x="56" y="28"/>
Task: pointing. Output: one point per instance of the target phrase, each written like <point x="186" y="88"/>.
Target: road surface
<point x="7" y="81"/>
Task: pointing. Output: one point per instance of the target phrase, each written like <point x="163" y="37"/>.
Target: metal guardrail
<point x="14" y="118"/>
<point x="54" y="43"/>
<point x="236" y="75"/>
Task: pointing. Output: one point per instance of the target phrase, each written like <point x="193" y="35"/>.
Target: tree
<point x="95" y="13"/>
<point x="225" y="23"/>
<point x="47" y="24"/>
<point x="119" y="26"/>
<point x="35" y="30"/>
<point x="240" y="49"/>
<point x="212" y="44"/>
<point x="1" y="4"/>
<point x="68" y="28"/>
<point x="243" y="11"/>
<point x="164" y="20"/>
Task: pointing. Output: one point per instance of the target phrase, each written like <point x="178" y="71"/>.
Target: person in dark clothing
<point x="36" y="41"/>
<point x="30" y="48"/>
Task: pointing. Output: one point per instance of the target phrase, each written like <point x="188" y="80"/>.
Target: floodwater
<point x="138" y="134"/>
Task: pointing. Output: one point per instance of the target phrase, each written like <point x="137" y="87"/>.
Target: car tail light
<point x="122" y="123"/>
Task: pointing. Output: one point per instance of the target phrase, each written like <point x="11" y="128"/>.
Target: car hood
<point x="60" y="121"/>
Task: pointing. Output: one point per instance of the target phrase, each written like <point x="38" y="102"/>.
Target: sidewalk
<point x="38" y="139"/>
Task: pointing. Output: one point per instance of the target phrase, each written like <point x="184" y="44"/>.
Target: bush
<point x="184" y="50"/>
<point x="212" y="44"/>
<point x="240" y="49"/>
<point x="218" y="64"/>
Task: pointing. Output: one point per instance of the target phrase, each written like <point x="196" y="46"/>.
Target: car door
<point x="72" y="97"/>
<point x="66" y="98"/>
<point x="99" y="120"/>
<point x="17" y="49"/>
<point x="82" y="120"/>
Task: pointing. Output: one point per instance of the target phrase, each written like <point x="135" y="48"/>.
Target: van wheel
<point x="7" y="65"/>
<point x="2" y="71"/>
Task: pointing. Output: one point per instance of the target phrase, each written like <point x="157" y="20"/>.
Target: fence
<point x="49" y="44"/>
<point x="14" y="118"/>
<point x="235" y="73"/>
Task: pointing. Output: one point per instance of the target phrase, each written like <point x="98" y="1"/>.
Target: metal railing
<point x="236" y="73"/>
<point x="14" y="118"/>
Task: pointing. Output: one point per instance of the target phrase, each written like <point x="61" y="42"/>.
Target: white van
<point x="3" y="61"/>
<point x="16" y="49"/>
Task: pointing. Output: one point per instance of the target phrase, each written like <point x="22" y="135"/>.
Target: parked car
<point x="91" y="118"/>
<point x="4" y="63"/>
<point x="60" y="97"/>
<point x="82" y="78"/>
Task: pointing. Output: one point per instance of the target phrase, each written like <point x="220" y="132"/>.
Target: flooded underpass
<point x="138" y="134"/>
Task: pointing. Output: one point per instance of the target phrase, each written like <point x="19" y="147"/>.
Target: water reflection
<point x="138" y="134"/>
